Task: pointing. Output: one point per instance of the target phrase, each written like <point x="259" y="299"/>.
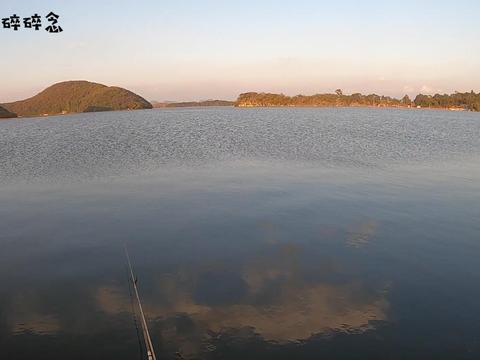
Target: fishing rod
<point x="143" y="322"/>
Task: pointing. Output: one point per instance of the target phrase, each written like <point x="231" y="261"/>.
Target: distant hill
<point x="77" y="96"/>
<point x="4" y="113"/>
<point x="157" y="104"/>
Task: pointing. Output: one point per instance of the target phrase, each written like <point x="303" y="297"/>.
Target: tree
<point x="406" y="100"/>
<point x="339" y="92"/>
<point x="476" y="106"/>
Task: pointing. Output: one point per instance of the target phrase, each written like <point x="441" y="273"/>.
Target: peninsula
<point x="456" y="101"/>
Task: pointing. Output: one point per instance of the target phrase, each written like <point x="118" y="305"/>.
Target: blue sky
<point x="192" y="50"/>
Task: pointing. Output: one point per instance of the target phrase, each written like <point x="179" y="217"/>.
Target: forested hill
<point x="77" y="96"/>
<point x="465" y="101"/>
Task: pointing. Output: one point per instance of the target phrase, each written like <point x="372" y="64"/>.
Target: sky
<point x="209" y="49"/>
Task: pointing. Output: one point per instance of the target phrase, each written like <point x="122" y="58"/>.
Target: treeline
<point x="467" y="101"/>
<point x="193" y="103"/>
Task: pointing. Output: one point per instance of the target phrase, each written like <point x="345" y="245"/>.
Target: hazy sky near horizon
<point x="193" y="50"/>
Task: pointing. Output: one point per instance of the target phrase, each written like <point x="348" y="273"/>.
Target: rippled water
<point x="255" y="233"/>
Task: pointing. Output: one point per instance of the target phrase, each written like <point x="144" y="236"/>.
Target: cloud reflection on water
<point x="268" y="297"/>
<point x="27" y="317"/>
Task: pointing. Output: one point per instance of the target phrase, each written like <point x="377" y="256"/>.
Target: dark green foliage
<point x="4" y="113"/>
<point x="97" y="108"/>
<point x="467" y="101"/>
<point x="406" y="100"/>
<point x="337" y="99"/>
<point x="77" y="96"/>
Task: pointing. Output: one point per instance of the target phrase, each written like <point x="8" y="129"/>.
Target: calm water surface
<point x="255" y="233"/>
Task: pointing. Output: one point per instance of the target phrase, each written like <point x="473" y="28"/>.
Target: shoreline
<point x="356" y="106"/>
<point x="249" y="107"/>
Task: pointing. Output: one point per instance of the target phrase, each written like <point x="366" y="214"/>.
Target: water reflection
<point x="267" y="297"/>
<point x="278" y="294"/>
<point x="38" y="324"/>
<point x="272" y="296"/>
<point x="27" y="315"/>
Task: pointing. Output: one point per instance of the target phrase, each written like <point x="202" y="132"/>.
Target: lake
<point x="289" y="233"/>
